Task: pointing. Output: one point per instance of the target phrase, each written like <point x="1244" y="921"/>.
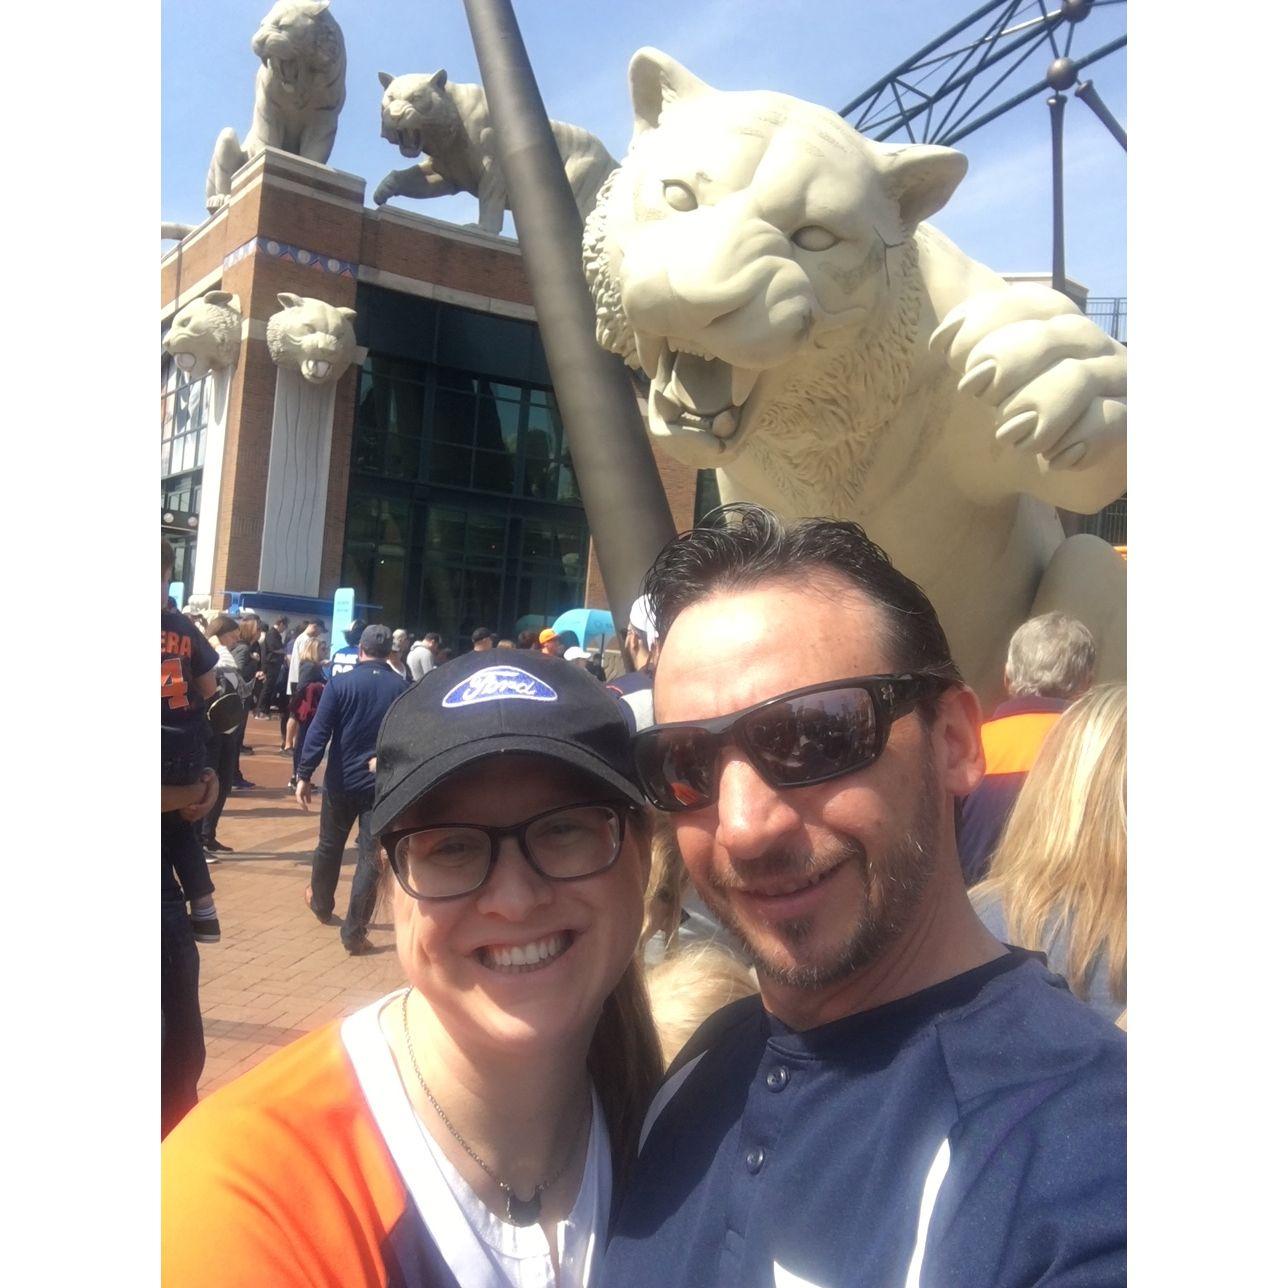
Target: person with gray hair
<point x="1052" y="656"/>
<point x="1051" y="661"/>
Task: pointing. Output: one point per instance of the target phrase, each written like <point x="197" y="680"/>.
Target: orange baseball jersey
<point x="313" y="1169"/>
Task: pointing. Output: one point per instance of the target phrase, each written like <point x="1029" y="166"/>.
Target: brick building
<point x="451" y="500"/>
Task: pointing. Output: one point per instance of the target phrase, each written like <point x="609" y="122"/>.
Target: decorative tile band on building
<point x="294" y="254"/>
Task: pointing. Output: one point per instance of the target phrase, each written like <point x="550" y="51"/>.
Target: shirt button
<point x="777" y="1079"/>
<point x="755" y="1159"/>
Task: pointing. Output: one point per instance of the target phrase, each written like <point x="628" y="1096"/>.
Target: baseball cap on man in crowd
<point x="641" y="618"/>
<point x="477" y="708"/>
<point x="547" y="635"/>
<point x="377" y="641"/>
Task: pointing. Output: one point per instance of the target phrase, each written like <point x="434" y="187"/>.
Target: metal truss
<point x="953" y="85"/>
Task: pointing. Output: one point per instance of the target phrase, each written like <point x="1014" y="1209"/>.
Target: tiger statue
<point x="451" y="126"/>
<point x="299" y="91"/>
<point x="312" y="336"/>
<point x="807" y="336"/>
<point x="205" y="334"/>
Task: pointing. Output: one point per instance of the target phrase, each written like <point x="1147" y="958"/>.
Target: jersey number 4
<point x="174" y="688"/>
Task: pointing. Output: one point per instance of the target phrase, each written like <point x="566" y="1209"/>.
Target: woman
<point x="468" y="1128"/>
<point x="1058" y="882"/>
<point x="303" y="704"/>
<point x="246" y="653"/>
<point x="398" y="658"/>
<point x="221" y="748"/>
<point x="311" y="653"/>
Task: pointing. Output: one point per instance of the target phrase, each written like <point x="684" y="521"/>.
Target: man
<point x="907" y="1101"/>
<point x="420" y="661"/>
<point x="274" y="658"/>
<point x="481" y="639"/>
<point x="346" y="658"/>
<point x="1050" y="662"/>
<point x="635" y="689"/>
<point x="578" y="657"/>
<point x="550" y="643"/>
<point x="188" y="792"/>
<point x="348" y="717"/>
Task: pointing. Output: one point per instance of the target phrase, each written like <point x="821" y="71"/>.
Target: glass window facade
<point x="463" y="504"/>
<point x="185" y="413"/>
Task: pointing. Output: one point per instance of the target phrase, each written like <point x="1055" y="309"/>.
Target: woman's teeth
<point x="525" y="957"/>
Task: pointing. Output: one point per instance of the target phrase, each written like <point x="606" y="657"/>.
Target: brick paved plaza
<point x="277" y="973"/>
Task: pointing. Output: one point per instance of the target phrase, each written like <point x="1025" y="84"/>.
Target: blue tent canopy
<point x="587" y="624"/>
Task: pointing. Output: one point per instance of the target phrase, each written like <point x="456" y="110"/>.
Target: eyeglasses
<point x="450" y="860"/>
<point x="793" y="740"/>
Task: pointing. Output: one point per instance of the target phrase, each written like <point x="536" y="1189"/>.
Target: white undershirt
<point x="481" y="1250"/>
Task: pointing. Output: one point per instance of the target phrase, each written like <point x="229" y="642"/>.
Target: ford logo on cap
<point x="499" y="684"/>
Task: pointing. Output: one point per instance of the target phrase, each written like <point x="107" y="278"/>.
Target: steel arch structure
<point x="958" y="82"/>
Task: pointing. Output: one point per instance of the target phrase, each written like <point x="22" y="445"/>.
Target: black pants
<point x="339" y="810"/>
<point x="181" y="845"/>
<point x="183" y="1044"/>
<point x="221" y="756"/>
<point x="268" y="691"/>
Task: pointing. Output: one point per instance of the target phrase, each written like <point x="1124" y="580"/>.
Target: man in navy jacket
<point x="349" y="716"/>
<point x="907" y="1102"/>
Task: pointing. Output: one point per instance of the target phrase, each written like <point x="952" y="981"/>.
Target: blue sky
<point x="824" y="50"/>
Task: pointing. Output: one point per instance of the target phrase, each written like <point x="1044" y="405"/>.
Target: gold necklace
<point x="517" y="1211"/>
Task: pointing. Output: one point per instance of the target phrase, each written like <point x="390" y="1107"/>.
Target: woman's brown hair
<point x="221" y="625"/>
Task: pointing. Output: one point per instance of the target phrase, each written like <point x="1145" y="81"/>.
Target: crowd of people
<point x="750" y="957"/>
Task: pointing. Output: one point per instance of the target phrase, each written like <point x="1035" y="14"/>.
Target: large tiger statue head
<point x="313" y="336"/>
<point x="301" y="45"/>
<point x="417" y="114"/>
<point x="755" y="256"/>
<point x="205" y="334"/>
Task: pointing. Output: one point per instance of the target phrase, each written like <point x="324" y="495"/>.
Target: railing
<point x="1110" y="313"/>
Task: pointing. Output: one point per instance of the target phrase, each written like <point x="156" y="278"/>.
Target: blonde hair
<point x="1061" y="865"/>
<point x="667" y="882"/>
<point x="688" y="986"/>
<point x="311" y="650"/>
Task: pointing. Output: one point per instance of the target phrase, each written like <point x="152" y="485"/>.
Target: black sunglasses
<point x="450" y="860"/>
<point x="793" y="740"/>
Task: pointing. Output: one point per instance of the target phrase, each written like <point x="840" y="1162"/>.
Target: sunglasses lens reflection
<point x="801" y="740"/>
<point x="678" y="767"/>
<point x="793" y="742"/>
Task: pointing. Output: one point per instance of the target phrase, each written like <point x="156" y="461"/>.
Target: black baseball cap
<point x="475" y="708"/>
<point x="376" y="641"/>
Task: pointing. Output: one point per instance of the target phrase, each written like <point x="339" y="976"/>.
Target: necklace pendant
<point x="522" y="1211"/>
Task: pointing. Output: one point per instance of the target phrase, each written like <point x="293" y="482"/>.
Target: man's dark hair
<point x="167" y="557"/>
<point x="354" y="633"/>
<point x="527" y="639"/>
<point x="432" y="638"/>
<point x="281" y="621"/>
<point x="742" y="545"/>
<point x="480" y="633"/>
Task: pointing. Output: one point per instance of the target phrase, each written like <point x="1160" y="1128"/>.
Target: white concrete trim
<point x="315" y="194"/>
<point x="194" y="237"/>
<point x="203" y="561"/>
<point x="453" y="232"/>
<point x="199" y="287"/>
<point x="295" y="493"/>
<point x="289" y="161"/>
<point x="446" y="294"/>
